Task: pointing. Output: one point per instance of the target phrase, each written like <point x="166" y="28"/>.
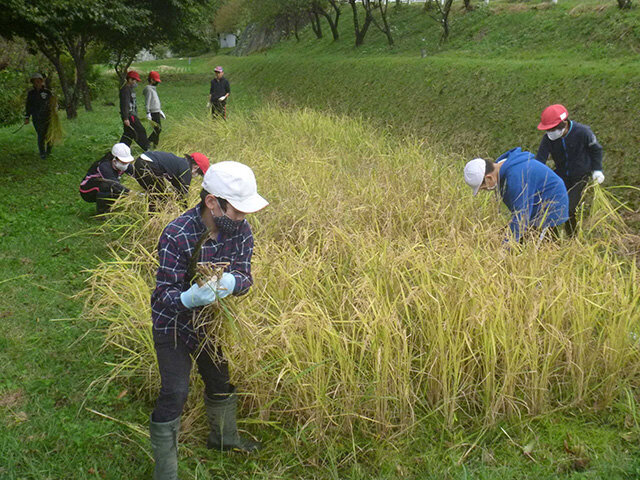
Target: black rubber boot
<point x="164" y="442"/>
<point x="224" y="431"/>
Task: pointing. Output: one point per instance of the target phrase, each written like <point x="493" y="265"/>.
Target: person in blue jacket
<point x="575" y="151"/>
<point x="534" y="194"/>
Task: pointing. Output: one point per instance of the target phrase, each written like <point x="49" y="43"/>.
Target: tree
<point x="443" y="8"/>
<point x="369" y="7"/>
<point x="624" y="4"/>
<point x="324" y="9"/>
<point x="360" y="31"/>
<point x="385" y="28"/>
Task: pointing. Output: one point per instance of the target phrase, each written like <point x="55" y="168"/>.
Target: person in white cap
<point x="102" y="184"/>
<point x="533" y="193"/>
<point x="215" y="231"/>
<point x="38" y="108"/>
<point x="576" y="153"/>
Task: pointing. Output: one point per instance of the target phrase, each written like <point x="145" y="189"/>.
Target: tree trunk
<point x="78" y="50"/>
<point x="315" y="24"/>
<point x="333" y="24"/>
<point x="360" y="31"/>
<point x="387" y="29"/>
<point x="295" y="28"/>
<point x="70" y="96"/>
<point x="467" y="5"/>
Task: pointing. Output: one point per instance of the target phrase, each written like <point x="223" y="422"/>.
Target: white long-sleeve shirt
<point x="151" y="99"/>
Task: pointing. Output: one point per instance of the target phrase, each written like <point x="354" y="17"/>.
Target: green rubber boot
<point x="224" y="431"/>
<point x="164" y="442"/>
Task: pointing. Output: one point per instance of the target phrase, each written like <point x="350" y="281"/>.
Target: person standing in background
<point x="218" y="94"/>
<point x="153" y="107"/>
<point x="133" y="129"/>
<point x="38" y="108"/>
<point x="576" y="153"/>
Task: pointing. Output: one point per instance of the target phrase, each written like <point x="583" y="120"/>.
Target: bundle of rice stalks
<point x="382" y="293"/>
<point x="54" y="132"/>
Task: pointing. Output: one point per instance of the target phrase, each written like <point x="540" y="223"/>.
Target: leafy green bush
<point x="12" y="96"/>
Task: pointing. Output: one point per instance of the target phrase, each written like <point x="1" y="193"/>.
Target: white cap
<point x="474" y="173"/>
<point x="122" y="152"/>
<point x="236" y="183"/>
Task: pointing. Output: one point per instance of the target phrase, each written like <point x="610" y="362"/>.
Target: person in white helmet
<point x="214" y="231"/>
<point x="575" y="151"/>
<point x="101" y="185"/>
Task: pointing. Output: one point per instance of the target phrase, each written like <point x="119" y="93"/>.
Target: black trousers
<point x="219" y="109"/>
<point x="575" y="186"/>
<point x="174" y="363"/>
<point x="42" y="125"/>
<point x="155" y="136"/>
<point x="135" y="132"/>
<point x="105" y="195"/>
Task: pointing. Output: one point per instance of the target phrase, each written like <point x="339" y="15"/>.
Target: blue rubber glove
<point x="198" y="296"/>
<point x="227" y="285"/>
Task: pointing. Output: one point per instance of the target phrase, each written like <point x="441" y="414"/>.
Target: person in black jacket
<point x="575" y="151"/>
<point x="155" y="171"/>
<point x="133" y="129"/>
<point x="37" y="107"/>
<point x="218" y="94"/>
<point x="102" y="184"/>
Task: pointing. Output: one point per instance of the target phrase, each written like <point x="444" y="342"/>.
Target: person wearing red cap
<point x="154" y="110"/>
<point x="155" y="171"/>
<point x="133" y="129"/>
<point x="213" y="232"/>
<point x="219" y="93"/>
<point x="575" y="151"/>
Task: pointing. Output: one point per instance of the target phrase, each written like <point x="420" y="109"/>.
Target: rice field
<point x="383" y="296"/>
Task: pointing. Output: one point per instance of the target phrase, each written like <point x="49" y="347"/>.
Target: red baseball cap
<point x="155" y="76"/>
<point x="201" y="160"/>
<point x="552" y="116"/>
<point x="133" y="74"/>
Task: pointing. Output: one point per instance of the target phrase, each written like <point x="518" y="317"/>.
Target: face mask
<point x="555" y="134"/>
<point x="225" y="225"/>
<point x="120" y="165"/>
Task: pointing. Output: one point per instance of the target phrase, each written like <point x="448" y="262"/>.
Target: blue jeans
<point x="174" y="363"/>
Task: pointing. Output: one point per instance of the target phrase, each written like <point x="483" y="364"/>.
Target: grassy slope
<point x="45" y="367"/>
<point x="483" y="91"/>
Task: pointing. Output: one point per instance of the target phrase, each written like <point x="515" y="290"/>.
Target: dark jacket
<point x="532" y="192"/>
<point x="163" y="165"/>
<point x="219" y="88"/>
<point x="128" y="105"/>
<point x="101" y="173"/>
<point x="576" y="155"/>
<point x="37" y="104"/>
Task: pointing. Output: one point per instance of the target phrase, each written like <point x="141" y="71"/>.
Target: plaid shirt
<point x="175" y="249"/>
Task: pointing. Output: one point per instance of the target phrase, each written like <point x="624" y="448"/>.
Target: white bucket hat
<point x="236" y="183"/>
<point x="474" y="173"/>
<point x="122" y="152"/>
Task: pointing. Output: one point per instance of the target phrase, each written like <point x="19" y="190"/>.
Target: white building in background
<point x="227" y="40"/>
